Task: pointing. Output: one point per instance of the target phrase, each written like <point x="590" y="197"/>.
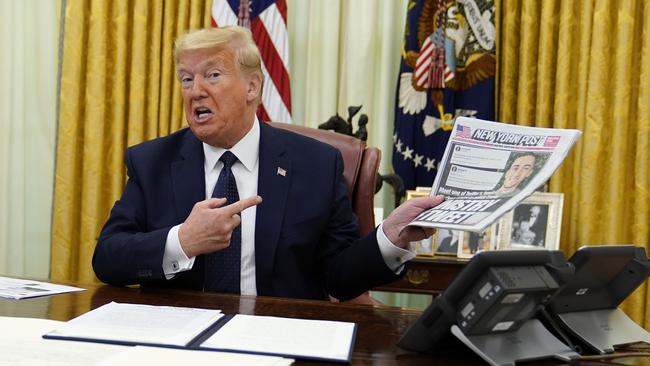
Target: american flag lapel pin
<point x="281" y="172"/>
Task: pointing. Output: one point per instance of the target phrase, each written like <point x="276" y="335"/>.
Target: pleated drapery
<point x="28" y="92"/>
<point x="586" y="65"/>
<point x="118" y="88"/>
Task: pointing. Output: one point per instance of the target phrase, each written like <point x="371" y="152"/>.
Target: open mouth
<point x="202" y="113"/>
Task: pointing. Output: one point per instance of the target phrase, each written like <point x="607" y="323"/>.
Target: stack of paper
<point x="300" y="338"/>
<point x="178" y="327"/>
<point x="139" y="324"/>
<point x="23" y="345"/>
<point x="13" y="288"/>
<point x="167" y="356"/>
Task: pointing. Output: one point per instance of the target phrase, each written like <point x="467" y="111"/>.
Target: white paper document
<point x="159" y="356"/>
<point x="139" y="324"/>
<point x="13" y="288"/>
<point x="299" y="338"/>
<point x="21" y="344"/>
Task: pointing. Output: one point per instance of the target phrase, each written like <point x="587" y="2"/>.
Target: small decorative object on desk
<point x="343" y="126"/>
<point x="534" y="223"/>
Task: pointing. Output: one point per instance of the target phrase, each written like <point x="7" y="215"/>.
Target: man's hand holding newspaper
<point x="488" y="168"/>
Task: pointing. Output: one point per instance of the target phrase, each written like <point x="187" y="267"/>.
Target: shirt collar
<point x="246" y="150"/>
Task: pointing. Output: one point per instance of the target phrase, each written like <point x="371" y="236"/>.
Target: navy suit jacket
<point x="306" y="241"/>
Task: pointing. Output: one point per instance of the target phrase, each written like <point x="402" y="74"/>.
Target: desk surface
<point x="379" y="328"/>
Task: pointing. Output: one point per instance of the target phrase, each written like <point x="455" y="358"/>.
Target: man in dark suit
<point x="289" y="230"/>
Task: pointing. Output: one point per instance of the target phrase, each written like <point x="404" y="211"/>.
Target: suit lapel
<point x="188" y="177"/>
<point x="273" y="186"/>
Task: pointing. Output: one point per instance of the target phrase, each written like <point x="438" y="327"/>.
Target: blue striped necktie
<point x="222" y="268"/>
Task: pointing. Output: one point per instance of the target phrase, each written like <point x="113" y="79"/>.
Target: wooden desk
<point x="427" y="275"/>
<point x="379" y="328"/>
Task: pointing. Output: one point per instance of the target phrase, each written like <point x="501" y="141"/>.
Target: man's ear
<point x="254" y="88"/>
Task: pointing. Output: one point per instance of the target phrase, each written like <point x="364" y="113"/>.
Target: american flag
<point x="463" y="131"/>
<point x="267" y="20"/>
<point x="430" y="68"/>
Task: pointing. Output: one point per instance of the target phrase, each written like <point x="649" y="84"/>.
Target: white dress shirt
<point x="246" y="171"/>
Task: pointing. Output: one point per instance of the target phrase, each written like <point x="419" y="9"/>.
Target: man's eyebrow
<point x="202" y="65"/>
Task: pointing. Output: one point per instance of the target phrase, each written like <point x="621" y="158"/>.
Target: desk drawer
<point x="426" y="276"/>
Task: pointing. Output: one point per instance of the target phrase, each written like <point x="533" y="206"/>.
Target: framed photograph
<point x="446" y="241"/>
<point x="533" y="224"/>
<point x="422" y="248"/>
<point x="472" y="243"/>
<point x="423" y="189"/>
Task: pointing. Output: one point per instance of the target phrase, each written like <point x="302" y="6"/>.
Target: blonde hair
<point x="240" y="39"/>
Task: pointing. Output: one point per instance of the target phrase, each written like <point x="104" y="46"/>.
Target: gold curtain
<point x="118" y="88"/>
<point x="586" y="65"/>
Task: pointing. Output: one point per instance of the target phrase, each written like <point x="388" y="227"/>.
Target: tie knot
<point x="228" y="159"/>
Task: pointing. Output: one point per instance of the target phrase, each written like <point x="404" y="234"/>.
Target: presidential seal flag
<point x="447" y="70"/>
<point x="267" y="20"/>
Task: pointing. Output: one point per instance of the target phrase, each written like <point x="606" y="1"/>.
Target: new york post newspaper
<point x="489" y="167"/>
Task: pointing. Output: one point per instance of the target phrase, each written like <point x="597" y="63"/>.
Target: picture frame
<point x="472" y="243"/>
<point x="410" y="194"/>
<point x="445" y="241"/>
<point x="425" y="247"/>
<point x="533" y="224"/>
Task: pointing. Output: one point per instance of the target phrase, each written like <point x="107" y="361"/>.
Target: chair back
<point x="360" y="167"/>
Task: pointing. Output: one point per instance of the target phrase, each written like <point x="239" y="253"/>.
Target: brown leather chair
<point x="360" y="167"/>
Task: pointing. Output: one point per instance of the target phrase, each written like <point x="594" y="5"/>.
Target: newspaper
<point x="488" y="168"/>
